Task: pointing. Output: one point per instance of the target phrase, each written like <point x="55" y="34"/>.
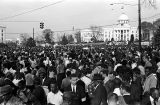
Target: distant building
<point x="2" y="34"/>
<point x="120" y="32"/>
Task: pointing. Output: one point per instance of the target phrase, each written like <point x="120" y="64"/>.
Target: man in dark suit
<point x="78" y="91"/>
<point x="153" y="98"/>
<point x="100" y="93"/>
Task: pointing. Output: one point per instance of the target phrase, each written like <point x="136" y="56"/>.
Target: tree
<point x="96" y="32"/>
<point x="94" y="39"/>
<point x="156" y="32"/>
<point x="30" y="42"/>
<point x="11" y="44"/>
<point x="64" y="40"/>
<point x="23" y="38"/>
<point x="70" y="39"/>
<point x="48" y="36"/>
<point x="157" y="37"/>
<point x="78" y="36"/>
<point x="147" y="27"/>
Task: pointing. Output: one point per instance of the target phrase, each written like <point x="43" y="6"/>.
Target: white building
<point x="86" y="35"/>
<point x="2" y="34"/>
<point x="122" y="31"/>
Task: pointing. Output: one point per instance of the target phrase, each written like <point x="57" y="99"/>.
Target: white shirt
<point x="117" y="91"/>
<point x="55" y="99"/>
<point x="73" y="87"/>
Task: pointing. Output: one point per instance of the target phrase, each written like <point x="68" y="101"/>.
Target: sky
<point x="68" y="13"/>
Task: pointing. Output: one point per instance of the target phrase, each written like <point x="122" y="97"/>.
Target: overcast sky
<point x="69" y="13"/>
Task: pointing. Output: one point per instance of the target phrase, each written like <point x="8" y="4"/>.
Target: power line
<point x="146" y="18"/>
<point x="20" y="21"/>
<point x="4" y="18"/>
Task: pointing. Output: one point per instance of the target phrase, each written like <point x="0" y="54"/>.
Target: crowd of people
<point x="76" y="75"/>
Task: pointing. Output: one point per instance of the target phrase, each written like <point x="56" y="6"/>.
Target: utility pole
<point x="2" y="35"/>
<point x="139" y="24"/>
<point x="33" y="33"/>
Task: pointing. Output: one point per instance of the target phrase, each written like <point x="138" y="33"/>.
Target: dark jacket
<point x="100" y="96"/>
<point x="80" y="93"/>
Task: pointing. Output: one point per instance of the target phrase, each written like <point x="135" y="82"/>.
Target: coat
<point x="100" y="96"/>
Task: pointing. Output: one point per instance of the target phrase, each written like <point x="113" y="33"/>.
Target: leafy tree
<point x="70" y="39"/>
<point x="96" y="31"/>
<point x="147" y="27"/>
<point x="11" y="44"/>
<point x="94" y="39"/>
<point x="30" y="42"/>
<point x="23" y="38"/>
<point x="48" y="35"/>
<point x="157" y="37"/>
<point x="64" y="40"/>
<point x="78" y="36"/>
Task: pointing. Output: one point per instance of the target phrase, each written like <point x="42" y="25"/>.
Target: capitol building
<point x="122" y="31"/>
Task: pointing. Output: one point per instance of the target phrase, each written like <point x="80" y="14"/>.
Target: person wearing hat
<point x="7" y="97"/>
<point x="100" y="94"/>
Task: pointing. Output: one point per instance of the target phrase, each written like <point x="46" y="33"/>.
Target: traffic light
<point x="41" y="25"/>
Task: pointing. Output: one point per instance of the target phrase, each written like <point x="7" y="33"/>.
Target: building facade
<point x="119" y="32"/>
<point x="2" y="34"/>
<point x="122" y="31"/>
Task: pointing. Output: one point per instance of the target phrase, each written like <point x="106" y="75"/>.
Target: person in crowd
<point x="146" y="61"/>
<point x="6" y="95"/>
<point x="113" y="99"/>
<point x="126" y="96"/>
<point x="79" y="96"/>
<point x="150" y="81"/>
<point x="136" y="85"/>
<point x="99" y="91"/>
<point x="66" y="81"/>
<point x="117" y="84"/>
<point x="39" y="95"/>
<point x="29" y="79"/>
<point x="104" y="73"/>
<point x="67" y="98"/>
<point x="54" y="97"/>
<point x="60" y="72"/>
<point x="152" y="98"/>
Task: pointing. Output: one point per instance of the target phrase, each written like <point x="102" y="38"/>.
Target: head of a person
<point x="145" y="58"/>
<point x="136" y="73"/>
<point x="117" y="83"/>
<point x="67" y="96"/>
<point x="112" y="75"/>
<point x="42" y="73"/>
<point x="53" y="87"/>
<point x="154" y="93"/>
<point x="68" y="73"/>
<point x="125" y="88"/>
<point x="113" y="99"/>
<point x="148" y="71"/>
<point x="97" y="78"/>
<point x="74" y="79"/>
<point x="104" y="73"/>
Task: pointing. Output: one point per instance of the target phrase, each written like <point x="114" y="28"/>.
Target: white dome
<point x="123" y="17"/>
